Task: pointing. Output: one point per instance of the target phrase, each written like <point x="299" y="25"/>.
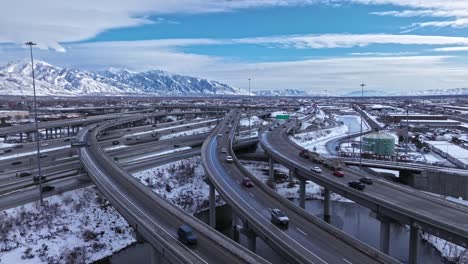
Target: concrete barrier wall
<point x="444" y="183"/>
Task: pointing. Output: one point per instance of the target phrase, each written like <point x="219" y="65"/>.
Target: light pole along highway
<point x="30" y="44"/>
<point x="360" y="140"/>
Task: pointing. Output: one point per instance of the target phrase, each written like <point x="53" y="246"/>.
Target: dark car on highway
<point x="16" y="163"/>
<point x="247" y="182"/>
<point x="115" y="142"/>
<point x="48" y="188"/>
<point x="357" y="185"/>
<point x="23" y="174"/>
<point x="366" y="180"/>
<point x="186" y="235"/>
<point x="36" y="178"/>
<point x="279" y="218"/>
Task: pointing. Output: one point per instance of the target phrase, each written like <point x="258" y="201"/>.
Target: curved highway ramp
<point x="153" y="218"/>
<point x="306" y="240"/>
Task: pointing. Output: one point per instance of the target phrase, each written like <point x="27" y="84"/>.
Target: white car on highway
<point x="229" y="159"/>
<point x="316" y="169"/>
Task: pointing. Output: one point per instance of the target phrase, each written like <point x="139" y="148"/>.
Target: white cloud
<point x="405" y="73"/>
<point x="51" y="22"/>
<point x="351" y="40"/>
<point x="455" y="9"/>
<point x="383" y="53"/>
<point x="451" y="49"/>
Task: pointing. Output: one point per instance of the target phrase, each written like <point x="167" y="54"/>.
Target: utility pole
<point x="31" y="44"/>
<point x="249" y="107"/>
<point x="362" y="113"/>
<point x="407" y="125"/>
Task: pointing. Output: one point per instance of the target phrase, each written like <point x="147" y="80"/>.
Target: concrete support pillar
<point x="68" y="131"/>
<point x="326" y="205"/>
<point x="155" y="256"/>
<point x="235" y="233"/>
<point x="212" y="206"/>
<point x="384" y="235"/>
<point x="46" y="134"/>
<point x="292" y="175"/>
<point x="21" y="136"/>
<point x="302" y="188"/>
<point x="413" y="245"/>
<point x="252" y="241"/>
<point x="271" y="172"/>
<point x="28" y="136"/>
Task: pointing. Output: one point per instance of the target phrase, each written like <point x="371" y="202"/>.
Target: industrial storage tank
<point x="379" y="143"/>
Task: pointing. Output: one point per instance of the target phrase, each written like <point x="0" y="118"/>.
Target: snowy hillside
<point x="15" y="79"/>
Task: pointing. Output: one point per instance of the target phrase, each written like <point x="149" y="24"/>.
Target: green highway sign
<point x="282" y="117"/>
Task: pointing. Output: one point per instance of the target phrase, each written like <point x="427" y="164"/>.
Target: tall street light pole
<point x="38" y="156"/>
<point x="249" y="107"/>
<point x="360" y="141"/>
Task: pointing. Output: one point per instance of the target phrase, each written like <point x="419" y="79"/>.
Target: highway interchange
<point x="109" y="165"/>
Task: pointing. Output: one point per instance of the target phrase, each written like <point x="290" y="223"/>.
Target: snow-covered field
<point x="200" y="130"/>
<point x="17" y="155"/>
<point x="451" y="149"/>
<point x="254" y="121"/>
<point x="181" y="182"/>
<point x="75" y="227"/>
<point x="157" y="154"/>
<point x="316" y="140"/>
<point x="283" y="187"/>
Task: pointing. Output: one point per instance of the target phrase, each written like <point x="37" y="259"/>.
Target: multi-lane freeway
<point x="408" y="206"/>
<point x="306" y="240"/>
<point x="154" y="218"/>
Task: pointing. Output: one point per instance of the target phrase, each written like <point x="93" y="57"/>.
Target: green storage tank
<point x="379" y="143"/>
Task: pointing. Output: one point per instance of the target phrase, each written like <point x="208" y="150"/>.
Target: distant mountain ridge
<point x="286" y="92"/>
<point x="16" y="79"/>
<point x="449" y="91"/>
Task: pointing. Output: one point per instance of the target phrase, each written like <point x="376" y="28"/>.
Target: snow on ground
<point x="283" y="187"/>
<point x="169" y="128"/>
<point x="181" y="183"/>
<point x="200" y="130"/>
<point x="161" y="153"/>
<point x="74" y="227"/>
<point x="452" y="252"/>
<point x="451" y="149"/>
<point x="353" y="122"/>
<point x="245" y="134"/>
<point x="6" y="157"/>
<point x="374" y="118"/>
<point x="254" y="121"/>
<point x="6" y="145"/>
<point x="116" y="147"/>
<point x="318" y="139"/>
<point x="396" y="173"/>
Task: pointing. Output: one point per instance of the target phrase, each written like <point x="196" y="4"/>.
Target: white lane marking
<point x="253" y="209"/>
<point x="347" y="261"/>
<point x="300" y="230"/>
<point x="149" y="218"/>
<point x="237" y="182"/>
<point x="251" y="195"/>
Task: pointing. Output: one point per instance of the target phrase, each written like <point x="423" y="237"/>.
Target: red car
<point x="338" y="173"/>
<point x="247" y="182"/>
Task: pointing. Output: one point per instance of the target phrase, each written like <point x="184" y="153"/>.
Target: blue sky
<point x="313" y="45"/>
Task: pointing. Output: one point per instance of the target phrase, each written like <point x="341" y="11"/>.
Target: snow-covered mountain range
<point x="449" y="91"/>
<point x="286" y="92"/>
<point x="16" y="79"/>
